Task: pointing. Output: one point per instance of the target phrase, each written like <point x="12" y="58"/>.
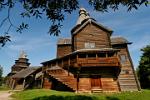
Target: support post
<point x="24" y="82"/>
<point x="13" y="84"/>
<point x="78" y="76"/>
<point x="68" y="65"/>
<point x="42" y="80"/>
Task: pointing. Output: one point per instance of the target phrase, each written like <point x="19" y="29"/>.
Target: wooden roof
<point x="119" y="40"/>
<point x="26" y="72"/>
<point x="114" y="40"/>
<point x="63" y="41"/>
<point x="54" y="68"/>
<point x="79" y="27"/>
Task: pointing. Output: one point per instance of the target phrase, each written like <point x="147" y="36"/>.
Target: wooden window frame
<point x="123" y="58"/>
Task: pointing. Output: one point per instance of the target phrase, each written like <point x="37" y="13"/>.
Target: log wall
<point x="63" y="50"/>
<point x="108" y="85"/>
<point x="127" y="78"/>
<point x="91" y="34"/>
<point x="47" y="84"/>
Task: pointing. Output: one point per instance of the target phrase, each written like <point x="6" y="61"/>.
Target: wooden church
<point x="90" y="61"/>
<point x="23" y="76"/>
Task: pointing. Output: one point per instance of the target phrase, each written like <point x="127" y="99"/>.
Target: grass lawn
<point x="43" y="94"/>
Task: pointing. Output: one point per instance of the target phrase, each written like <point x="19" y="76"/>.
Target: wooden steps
<point x="18" y="87"/>
<point x="65" y="78"/>
<point x="97" y="90"/>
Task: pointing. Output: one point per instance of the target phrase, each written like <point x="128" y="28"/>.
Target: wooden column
<point x="56" y="63"/>
<point x="24" y="82"/>
<point x="62" y="63"/>
<point x="119" y="88"/>
<point x="13" y="84"/>
<point x="96" y="55"/>
<point x="42" y="80"/>
<point x="77" y="58"/>
<point x="115" y="54"/>
<point x="68" y="65"/>
<point x="106" y="54"/>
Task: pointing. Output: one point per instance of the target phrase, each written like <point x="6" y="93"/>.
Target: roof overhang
<point x="84" y="51"/>
<point x="79" y="27"/>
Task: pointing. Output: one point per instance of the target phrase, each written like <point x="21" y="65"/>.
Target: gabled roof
<point x="119" y="40"/>
<point x="54" y="68"/>
<point x="79" y="27"/>
<point x="63" y="41"/>
<point x="25" y="72"/>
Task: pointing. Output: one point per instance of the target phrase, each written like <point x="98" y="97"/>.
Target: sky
<point x="40" y="46"/>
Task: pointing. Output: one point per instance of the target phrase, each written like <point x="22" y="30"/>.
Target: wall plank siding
<point x="127" y="78"/>
<point x="63" y="50"/>
<point x="91" y="34"/>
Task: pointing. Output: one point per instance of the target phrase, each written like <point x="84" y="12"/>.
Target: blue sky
<point x="39" y="46"/>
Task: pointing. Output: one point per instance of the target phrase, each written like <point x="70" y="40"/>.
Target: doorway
<point x="96" y="82"/>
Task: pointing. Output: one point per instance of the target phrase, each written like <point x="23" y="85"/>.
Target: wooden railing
<point x="87" y="62"/>
<point x="110" y="61"/>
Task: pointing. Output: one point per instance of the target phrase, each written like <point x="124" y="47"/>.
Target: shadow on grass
<point x="54" y="97"/>
<point x="77" y="97"/>
<point x="111" y="98"/>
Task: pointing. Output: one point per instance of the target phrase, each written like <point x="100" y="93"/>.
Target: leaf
<point x="22" y="27"/>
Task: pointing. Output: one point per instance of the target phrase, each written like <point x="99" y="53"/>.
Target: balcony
<point x="87" y="59"/>
<point x="99" y="62"/>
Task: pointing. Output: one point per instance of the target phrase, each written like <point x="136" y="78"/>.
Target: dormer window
<point x="89" y="45"/>
<point x="123" y="58"/>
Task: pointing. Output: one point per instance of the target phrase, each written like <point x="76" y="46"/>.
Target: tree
<point x="55" y="11"/>
<point x="1" y="78"/>
<point x="144" y="68"/>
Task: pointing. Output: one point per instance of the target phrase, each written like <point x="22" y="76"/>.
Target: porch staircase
<point x="64" y="77"/>
<point x="18" y="87"/>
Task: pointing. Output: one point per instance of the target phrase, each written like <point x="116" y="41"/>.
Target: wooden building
<point x="23" y="76"/>
<point x="91" y="61"/>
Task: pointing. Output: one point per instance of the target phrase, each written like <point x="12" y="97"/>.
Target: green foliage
<point x="4" y="39"/>
<point x="55" y="10"/>
<point x="4" y="88"/>
<point x="43" y="94"/>
<point x="22" y="27"/>
<point x="144" y="68"/>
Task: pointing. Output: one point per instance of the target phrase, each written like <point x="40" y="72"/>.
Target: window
<point x="82" y="55"/>
<point x="101" y="54"/>
<point x="89" y="45"/>
<point x="92" y="55"/>
<point x="110" y="54"/>
<point x="123" y="58"/>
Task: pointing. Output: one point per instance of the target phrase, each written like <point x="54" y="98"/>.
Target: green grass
<point x="42" y="94"/>
<point x="4" y="88"/>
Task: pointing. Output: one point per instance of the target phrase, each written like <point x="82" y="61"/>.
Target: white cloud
<point x="29" y="43"/>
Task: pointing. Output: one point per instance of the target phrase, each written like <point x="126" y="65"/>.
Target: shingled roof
<point x="63" y="41"/>
<point x="119" y="40"/>
<point x="79" y="27"/>
<point x="114" y="40"/>
<point x="26" y="72"/>
<point x="55" y="68"/>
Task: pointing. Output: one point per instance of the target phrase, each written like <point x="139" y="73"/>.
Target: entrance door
<point x="96" y="81"/>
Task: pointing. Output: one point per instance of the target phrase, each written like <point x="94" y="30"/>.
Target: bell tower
<point x="20" y="64"/>
<point x="83" y="14"/>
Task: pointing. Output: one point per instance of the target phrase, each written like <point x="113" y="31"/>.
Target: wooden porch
<point x="86" y="59"/>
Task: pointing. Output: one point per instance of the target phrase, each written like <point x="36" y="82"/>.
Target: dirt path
<point x="5" y="95"/>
